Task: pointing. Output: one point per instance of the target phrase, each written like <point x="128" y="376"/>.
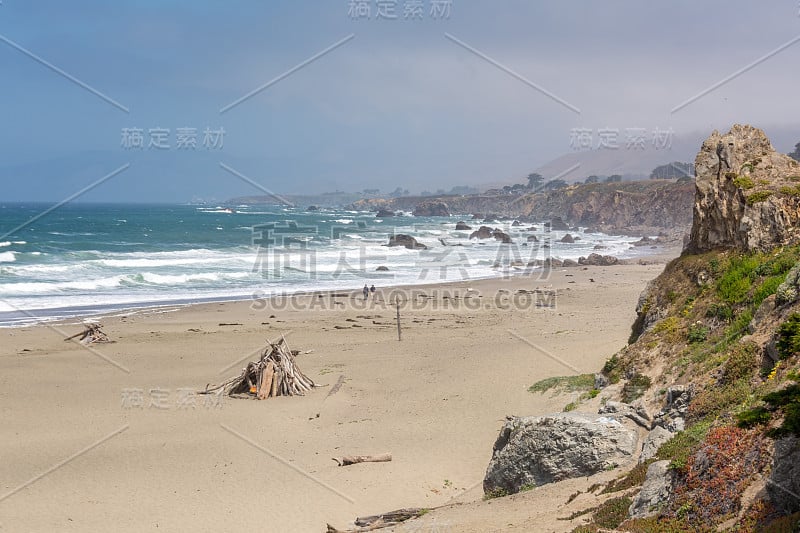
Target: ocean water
<point x="85" y="259"/>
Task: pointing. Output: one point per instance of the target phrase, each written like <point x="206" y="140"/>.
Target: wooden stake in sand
<point x="397" y="303"/>
<point x="275" y="374"/>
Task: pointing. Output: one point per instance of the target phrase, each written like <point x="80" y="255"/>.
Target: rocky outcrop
<point x="630" y="207"/>
<point x="568" y="239"/>
<point x="747" y="194"/>
<point x="384" y="213"/>
<point x="543" y="449"/>
<point x="655" y="492"/>
<point x="502" y="236"/>
<point x="598" y="260"/>
<point x="637" y="414"/>
<point x="672" y="416"/>
<point x="653" y="442"/>
<point x="789" y="290"/>
<point x="557" y="224"/>
<point x="646" y="241"/>
<point x="406" y="240"/>
<point x="462" y="226"/>
<point x="484" y="232"/>
<point x="784" y="482"/>
<point x="431" y="208"/>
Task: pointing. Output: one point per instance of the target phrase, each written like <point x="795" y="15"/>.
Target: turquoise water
<point x="83" y="259"/>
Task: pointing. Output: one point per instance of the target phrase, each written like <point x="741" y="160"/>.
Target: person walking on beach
<point x="372" y="290"/>
<point x="366" y="291"/>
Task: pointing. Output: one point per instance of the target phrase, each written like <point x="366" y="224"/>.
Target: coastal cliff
<point x="714" y="358"/>
<point x="633" y="207"/>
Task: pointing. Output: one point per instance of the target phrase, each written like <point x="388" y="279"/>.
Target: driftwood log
<point x="354" y="459"/>
<point x="369" y="523"/>
<point x="90" y="334"/>
<point x="274" y="374"/>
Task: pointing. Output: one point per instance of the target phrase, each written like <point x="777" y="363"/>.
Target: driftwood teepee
<point x="91" y="334"/>
<point x="274" y="374"/>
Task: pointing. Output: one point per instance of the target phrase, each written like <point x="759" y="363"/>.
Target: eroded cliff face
<point x="607" y="206"/>
<point x="719" y="325"/>
<point x="618" y="206"/>
<point x="747" y="194"/>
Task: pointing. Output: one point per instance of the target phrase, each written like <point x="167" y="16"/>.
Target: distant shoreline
<point x="76" y="314"/>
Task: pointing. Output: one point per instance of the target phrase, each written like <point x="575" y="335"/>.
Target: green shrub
<point x="577" y="383"/>
<point x="635" y="387"/>
<point x="744" y="182"/>
<point x="741" y="363"/>
<point x="678" y="449"/>
<point x="494" y="493"/>
<point x="669" y="327"/>
<point x="734" y="285"/>
<point x="790" y="191"/>
<point x="712" y="401"/>
<point x="660" y="524"/>
<point x="753" y="417"/>
<point x="788" y="342"/>
<point x="612" y="513"/>
<point x="787" y="401"/>
<point x="767" y="288"/>
<point x="697" y="333"/>
<point x="720" y="311"/>
<point x="633" y="478"/>
<point x="758" y="196"/>
<point x="739" y="326"/>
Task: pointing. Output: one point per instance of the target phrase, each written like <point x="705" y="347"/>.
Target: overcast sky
<point x="414" y="101"/>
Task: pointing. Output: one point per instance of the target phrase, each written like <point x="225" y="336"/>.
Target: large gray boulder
<point x="657" y="436"/>
<point x="783" y="486"/>
<point x="537" y="450"/>
<point x="655" y="491"/>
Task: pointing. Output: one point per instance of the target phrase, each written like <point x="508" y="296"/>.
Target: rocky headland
<point x="633" y="208"/>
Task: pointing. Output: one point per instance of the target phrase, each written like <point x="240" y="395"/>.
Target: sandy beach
<point x="109" y="438"/>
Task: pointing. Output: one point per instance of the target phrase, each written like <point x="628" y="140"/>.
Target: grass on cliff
<point x="607" y="515"/>
<point x="705" y="305"/>
<point x="577" y="383"/>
